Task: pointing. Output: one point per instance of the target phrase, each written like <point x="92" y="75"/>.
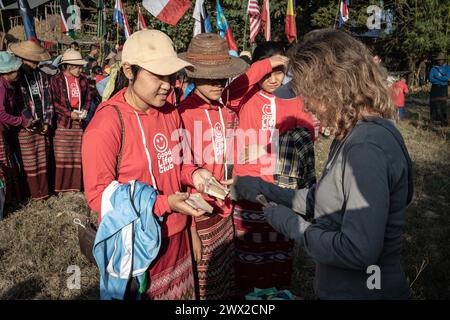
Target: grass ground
<point x="39" y="242"/>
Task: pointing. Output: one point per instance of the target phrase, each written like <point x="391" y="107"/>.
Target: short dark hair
<point x="93" y="46"/>
<point x="74" y="43"/>
<point x="97" y="70"/>
<point x="266" y="50"/>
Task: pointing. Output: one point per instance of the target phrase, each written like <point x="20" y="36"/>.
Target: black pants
<point x="438" y="103"/>
<point x="438" y="110"/>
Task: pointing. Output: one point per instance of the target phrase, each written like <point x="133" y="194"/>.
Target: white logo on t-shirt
<point x="165" y="160"/>
<point x="268" y="120"/>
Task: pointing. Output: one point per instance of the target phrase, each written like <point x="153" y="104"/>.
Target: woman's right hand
<point x="74" y="115"/>
<point x="177" y="204"/>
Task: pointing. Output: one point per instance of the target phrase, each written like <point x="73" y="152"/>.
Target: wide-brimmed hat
<point x="441" y="56"/>
<point x="71" y="56"/>
<point x="8" y="62"/>
<point x="29" y="50"/>
<point x="208" y="53"/>
<point x="152" y="50"/>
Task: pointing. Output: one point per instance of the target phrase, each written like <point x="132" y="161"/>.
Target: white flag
<point x="199" y="12"/>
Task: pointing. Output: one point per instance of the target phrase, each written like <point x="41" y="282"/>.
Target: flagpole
<point x="245" y="31"/>
<point x="337" y="14"/>
<point x="117" y="34"/>
<point x="1" y="20"/>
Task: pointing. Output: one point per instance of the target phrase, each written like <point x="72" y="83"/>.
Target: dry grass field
<point x="38" y="240"/>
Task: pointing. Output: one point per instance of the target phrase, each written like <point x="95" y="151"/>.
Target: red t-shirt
<point x="73" y="90"/>
<point x="100" y="149"/>
<point x="206" y="134"/>
<point x="398" y="91"/>
<point x="264" y="113"/>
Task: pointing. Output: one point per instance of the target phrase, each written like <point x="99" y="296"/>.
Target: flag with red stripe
<point x="290" y="28"/>
<point x="141" y="24"/>
<point x="168" y="11"/>
<point x="265" y="19"/>
<point x="254" y="18"/>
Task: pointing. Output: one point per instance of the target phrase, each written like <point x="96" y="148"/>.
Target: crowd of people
<point x="166" y="125"/>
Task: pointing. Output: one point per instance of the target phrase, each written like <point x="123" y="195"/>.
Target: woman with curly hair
<point x="359" y="202"/>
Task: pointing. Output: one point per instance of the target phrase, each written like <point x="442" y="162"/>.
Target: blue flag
<point x="27" y="18"/>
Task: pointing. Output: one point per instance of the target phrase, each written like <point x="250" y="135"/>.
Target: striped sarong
<point x="34" y="156"/>
<point x="215" y="271"/>
<point x="8" y="171"/>
<point x="171" y="274"/>
<point x="263" y="256"/>
<point x="67" y="150"/>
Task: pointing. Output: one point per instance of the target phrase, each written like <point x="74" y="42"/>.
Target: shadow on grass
<point x="27" y="289"/>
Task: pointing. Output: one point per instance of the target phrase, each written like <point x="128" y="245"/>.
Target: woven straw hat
<point x="441" y="56"/>
<point x="29" y="50"/>
<point x="208" y="53"/>
<point x="71" y="56"/>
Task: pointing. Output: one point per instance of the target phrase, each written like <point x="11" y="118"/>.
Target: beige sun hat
<point x="208" y="53"/>
<point x="152" y="50"/>
<point x="29" y="50"/>
<point x="441" y="56"/>
<point x="72" y="56"/>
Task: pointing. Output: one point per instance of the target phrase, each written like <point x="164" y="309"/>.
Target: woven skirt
<point x="263" y="256"/>
<point x="9" y="171"/>
<point x="215" y="271"/>
<point x="67" y="150"/>
<point x="34" y="153"/>
<point x="171" y="276"/>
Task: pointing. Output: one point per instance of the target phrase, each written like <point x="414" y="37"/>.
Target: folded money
<point x="196" y="201"/>
<point x="215" y="189"/>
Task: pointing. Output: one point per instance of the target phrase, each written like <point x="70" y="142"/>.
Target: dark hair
<point x="74" y="43"/>
<point x="122" y="81"/>
<point x="97" y="70"/>
<point x="266" y="50"/>
<point x="246" y="59"/>
<point x="93" y="46"/>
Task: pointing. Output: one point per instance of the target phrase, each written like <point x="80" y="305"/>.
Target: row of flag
<point x="171" y="11"/>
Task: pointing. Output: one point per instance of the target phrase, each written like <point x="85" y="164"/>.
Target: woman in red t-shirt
<point x="150" y="154"/>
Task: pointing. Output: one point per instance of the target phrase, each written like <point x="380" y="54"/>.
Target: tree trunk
<point x="412" y="71"/>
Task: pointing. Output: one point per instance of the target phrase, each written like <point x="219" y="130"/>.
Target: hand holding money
<point x="196" y="201"/>
<point x="177" y="203"/>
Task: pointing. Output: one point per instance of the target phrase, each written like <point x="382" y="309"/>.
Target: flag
<point x="265" y="19"/>
<point x="254" y="17"/>
<point x="141" y="24"/>
<point x="101" y="19"/>
<point x="225" y="31"/>
<point x="343" y="11"/>
<point x="120" y="18"/>
<point x="289" y="27"/>
<point x="202" y="22"/>
<point x="28" y="20"/>
<point x="168" y="11"/>
<point x="70" y="17"/>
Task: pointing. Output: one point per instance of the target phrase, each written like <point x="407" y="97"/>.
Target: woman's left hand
<point x="199" y="178"/>
<point x="196" y="245"/>
<point x="286" y="221"/>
